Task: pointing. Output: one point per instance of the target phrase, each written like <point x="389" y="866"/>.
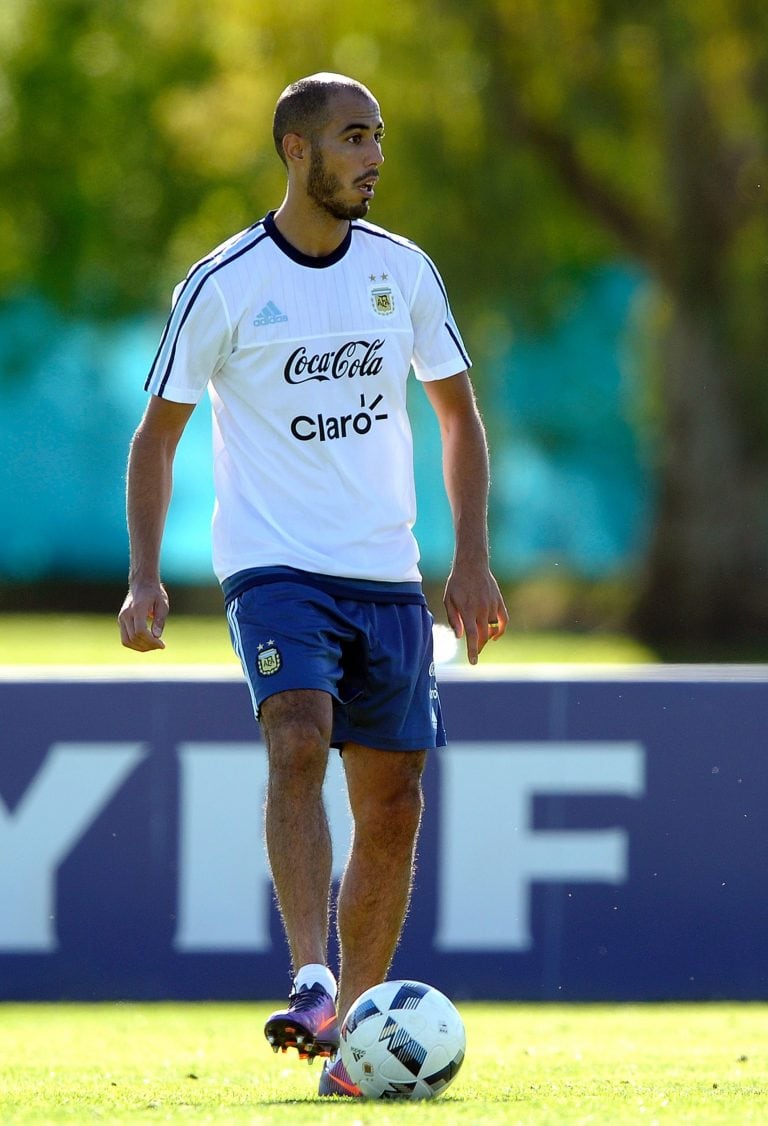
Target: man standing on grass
<point x="303" y="329"/>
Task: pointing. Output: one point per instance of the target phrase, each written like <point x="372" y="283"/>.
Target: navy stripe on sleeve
<point x="457" y="342"/>
<point x="209" y="269"/>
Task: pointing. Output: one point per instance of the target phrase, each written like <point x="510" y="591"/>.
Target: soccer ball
<point x="402" y="1040"/>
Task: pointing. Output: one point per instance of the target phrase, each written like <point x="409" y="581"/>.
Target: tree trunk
<point x="706" y="576"/>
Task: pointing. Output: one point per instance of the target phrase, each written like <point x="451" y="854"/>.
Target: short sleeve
<point x="438" y="350"/>
<point x="196" y="341"/>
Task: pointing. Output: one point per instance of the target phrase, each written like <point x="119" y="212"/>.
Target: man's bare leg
<point x="297" y="730"/>
<point x="386" y="799"/>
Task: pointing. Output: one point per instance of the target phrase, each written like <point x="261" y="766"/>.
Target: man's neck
<point x="309" y="229"/>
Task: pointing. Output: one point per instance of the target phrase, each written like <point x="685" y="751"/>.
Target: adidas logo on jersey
<point x="270" y="315"/>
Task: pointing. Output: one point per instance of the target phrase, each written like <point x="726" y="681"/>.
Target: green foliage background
<point x="527" y="141"/>
<point x="528" y="145"/>
<point x="135" y="137"/>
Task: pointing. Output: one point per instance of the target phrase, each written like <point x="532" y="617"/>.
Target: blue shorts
<point x="374" y="658"/>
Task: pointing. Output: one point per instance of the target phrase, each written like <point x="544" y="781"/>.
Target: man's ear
<point x="295" y="147"/>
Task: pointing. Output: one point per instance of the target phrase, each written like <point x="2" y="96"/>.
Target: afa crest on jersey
<point x="383" y="300"/>
<point x="269" y="660"/>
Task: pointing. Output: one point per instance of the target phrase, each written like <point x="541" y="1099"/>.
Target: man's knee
<point x="297" y="731"/>
<point x="392" y="814"/>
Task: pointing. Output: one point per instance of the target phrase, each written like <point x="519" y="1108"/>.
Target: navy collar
<point x="270" y="226"/>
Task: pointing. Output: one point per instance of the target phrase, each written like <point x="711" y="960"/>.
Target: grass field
<point x="92" y="639"/>
<point x="525" y="1064"/>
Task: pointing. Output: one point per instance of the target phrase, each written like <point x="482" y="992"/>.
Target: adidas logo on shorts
<point x="270" y="315"/>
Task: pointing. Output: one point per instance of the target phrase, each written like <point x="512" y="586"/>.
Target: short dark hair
<point x="303" y="106"/>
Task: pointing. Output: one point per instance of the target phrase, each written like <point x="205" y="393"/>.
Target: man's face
<point x="345" y="157"/>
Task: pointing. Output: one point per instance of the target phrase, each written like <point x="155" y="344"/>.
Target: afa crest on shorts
<point x="383" y="300"/>
<point x="269" y="661"/>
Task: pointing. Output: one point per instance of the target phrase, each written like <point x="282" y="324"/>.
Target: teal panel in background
<point x="570" y="484"/>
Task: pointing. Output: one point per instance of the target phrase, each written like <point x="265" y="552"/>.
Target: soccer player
<point x="303" y="329"/>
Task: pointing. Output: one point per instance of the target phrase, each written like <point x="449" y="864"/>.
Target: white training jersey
<point x="306" y="362"/>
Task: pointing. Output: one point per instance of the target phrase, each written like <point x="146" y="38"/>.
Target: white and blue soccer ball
<point x="402" y="1040"/>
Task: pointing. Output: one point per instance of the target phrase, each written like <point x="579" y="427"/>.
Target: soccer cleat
<point x="335" y="1080"/>
<point x="309" y="1024"/>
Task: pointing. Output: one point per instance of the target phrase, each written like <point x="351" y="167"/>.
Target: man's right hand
<point x="142" y="618"/>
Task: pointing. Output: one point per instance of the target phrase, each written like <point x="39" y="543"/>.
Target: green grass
<point x="526" y="1064"/>
<point x="92" y="639"/>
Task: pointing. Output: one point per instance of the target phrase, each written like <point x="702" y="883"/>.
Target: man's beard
<point x="323" y="188"/>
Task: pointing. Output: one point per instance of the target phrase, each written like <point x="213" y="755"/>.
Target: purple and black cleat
<point x="309" y="1024"/>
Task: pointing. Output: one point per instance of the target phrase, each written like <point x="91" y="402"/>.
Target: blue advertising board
<point x="586" y="837"/>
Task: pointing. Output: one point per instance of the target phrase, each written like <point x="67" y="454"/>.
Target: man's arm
<point x="150" y="481"/>
<point x="473" y="601"/>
